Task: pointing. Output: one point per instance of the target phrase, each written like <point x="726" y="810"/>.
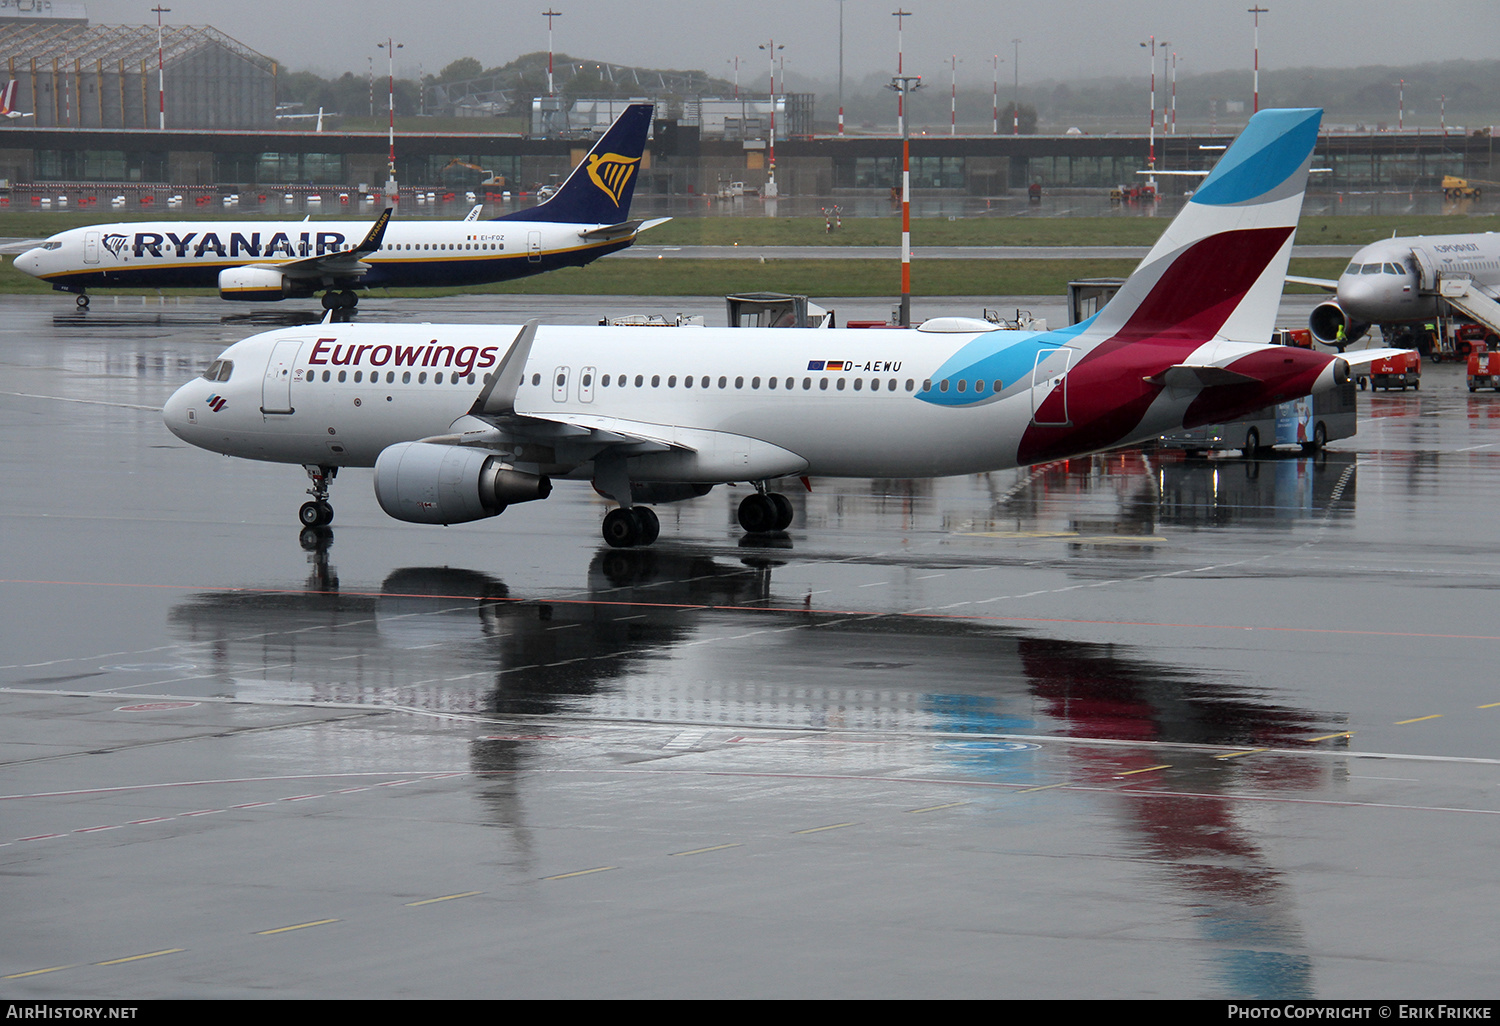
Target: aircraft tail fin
<point x="1217" y="271"/>
<point x="8" y="97"/>
<point x="600" y="188"/>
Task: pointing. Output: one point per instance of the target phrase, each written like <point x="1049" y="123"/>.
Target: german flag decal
<point x="611" y="172"/>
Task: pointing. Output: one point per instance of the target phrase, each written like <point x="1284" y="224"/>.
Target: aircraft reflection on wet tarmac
<point x="455" y="640"/>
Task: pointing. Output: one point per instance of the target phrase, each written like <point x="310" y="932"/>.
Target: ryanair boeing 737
<point x="460" y="421"/>
<point x="586" y="219"/>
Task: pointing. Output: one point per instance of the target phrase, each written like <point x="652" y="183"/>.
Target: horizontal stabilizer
<point x="1193" y="376"/>
<point x="623" y="230"/>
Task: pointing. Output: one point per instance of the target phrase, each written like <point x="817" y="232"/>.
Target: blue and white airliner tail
<point x="460" y="421"/>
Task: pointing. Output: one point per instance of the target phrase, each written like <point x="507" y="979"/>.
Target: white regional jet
<point x="587" y="218"/>
<point x="460" y="421"/>
<point x="1399" y="280"/>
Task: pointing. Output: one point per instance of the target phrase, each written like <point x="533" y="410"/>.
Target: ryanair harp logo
<point x="611" y="172"/>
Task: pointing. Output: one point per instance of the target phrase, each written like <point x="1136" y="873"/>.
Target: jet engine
<point x="427" y="483"/>
<point x="253" y="284"/>
<point x="1325" y="321"/>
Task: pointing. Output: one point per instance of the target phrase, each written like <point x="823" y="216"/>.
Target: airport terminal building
<point x="92" y="100"/>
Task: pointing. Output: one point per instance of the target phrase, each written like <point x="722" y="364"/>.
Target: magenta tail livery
<point x="460" y="421"/>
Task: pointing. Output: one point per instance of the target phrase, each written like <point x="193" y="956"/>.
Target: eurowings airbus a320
<point x="461" y="421"/>
<point x="261" y="261"/>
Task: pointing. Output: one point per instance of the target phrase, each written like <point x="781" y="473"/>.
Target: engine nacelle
<point x="426" y="483"/>
<point x="253" y="284"/>
<point x="1325" y="320"/>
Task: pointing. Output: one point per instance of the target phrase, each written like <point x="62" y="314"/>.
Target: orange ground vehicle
<point x="1484" y="370"/>
<point x="1399" y="371"/>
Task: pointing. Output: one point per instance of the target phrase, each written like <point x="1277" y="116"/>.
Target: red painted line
<point x="39" y="837"/>
<point x="90" y="830"/>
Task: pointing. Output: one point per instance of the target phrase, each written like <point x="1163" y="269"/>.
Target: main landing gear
<point x="627" y="527"/>
<point x="340" y="299"/>
<point x="760" y="513"/>
<point x="82" y="301"/>
<point x="763" y="512"/>
<point x="318" y="513"/>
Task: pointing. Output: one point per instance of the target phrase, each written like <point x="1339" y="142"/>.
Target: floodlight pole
<point x="900" y="17"/>
<point x="953" y="96"/>
<point x="549" y="14"/>
<point x="996" y="96"/>
<point x="904" y="84"/>
<point x="1016" y="108"/>
<point x="841" y="67"/>
<point x="161" y="78"/>
<point x="1151" y="153"/>
<point x="390" y="47"/>
<point x="1257" y="11"/>
<point x="770" y="47"/>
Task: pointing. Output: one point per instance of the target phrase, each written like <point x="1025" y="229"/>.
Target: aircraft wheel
<point x="785" y="514"/>
<point x="348" y="299"/>
<point x="757" y="514"/>
<point x="621" y="529"/>
<point x="330" y="301"/>
<point x="82" y="301"/>
<point x="315" y="514"/>
<point x="647" y="523"/>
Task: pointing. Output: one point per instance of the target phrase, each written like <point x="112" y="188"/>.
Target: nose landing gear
<point x="318" y="513"/>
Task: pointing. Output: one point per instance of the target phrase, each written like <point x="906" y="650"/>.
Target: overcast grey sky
<point x="1060" y="38"/>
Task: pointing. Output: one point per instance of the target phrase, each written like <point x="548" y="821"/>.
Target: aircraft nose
<point x="29" y="262"/>
<point x="179" y="412"/>
<point x="1361" y="292"/>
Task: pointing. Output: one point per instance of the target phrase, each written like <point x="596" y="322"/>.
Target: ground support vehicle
<point x="1309" y="423"/>
<point x="1484" y="371"/>
<point x="1401" y="372"/>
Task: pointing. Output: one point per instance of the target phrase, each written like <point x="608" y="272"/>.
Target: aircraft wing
<point x="1320" y="283"/>
<point x="344" y="264"/>
<point x="621" y="230"/>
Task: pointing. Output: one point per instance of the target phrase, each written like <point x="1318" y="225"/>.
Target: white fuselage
<point x="746" y="403"/>
<point x="191" y="254"/>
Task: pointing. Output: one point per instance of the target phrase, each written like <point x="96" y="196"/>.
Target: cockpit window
<point x="1372" y="268"/>
<point x="1393" y="269"/>
<point x="1353" y="268"/>
<point x="50" y="245"/>
<point x="219" y="370"/>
